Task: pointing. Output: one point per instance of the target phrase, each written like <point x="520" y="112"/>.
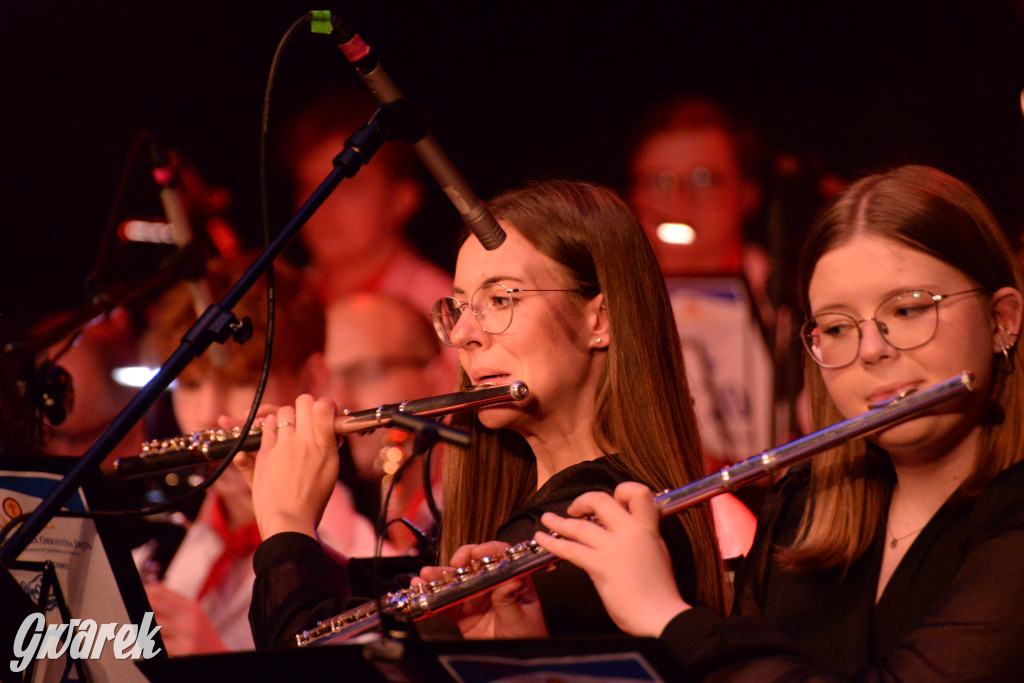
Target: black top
<point x="953" y="609"/>
<point x="568" y="598"/>
<point x="298" y="584"/>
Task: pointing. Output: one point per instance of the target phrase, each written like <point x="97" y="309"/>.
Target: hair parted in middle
<point x="644" y="411"/>
<point x="931" y="212"/>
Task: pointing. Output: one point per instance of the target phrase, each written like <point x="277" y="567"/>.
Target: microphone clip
<point x="398" y="120"/>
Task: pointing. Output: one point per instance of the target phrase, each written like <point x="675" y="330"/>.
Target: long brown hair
<point x="934" y="213"/>
<point x="643" y="409"/>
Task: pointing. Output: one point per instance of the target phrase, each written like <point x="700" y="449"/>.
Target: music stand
<point x="92" y="569"/>
<point x="729" y="363"/>
<point x="344" y="662"/>
<point x="609" y="658"/>
<point x="613" y="658"/>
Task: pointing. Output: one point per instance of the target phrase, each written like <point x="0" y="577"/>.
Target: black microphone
<point x="473" y="212"/>
<point x="419" y="425"/>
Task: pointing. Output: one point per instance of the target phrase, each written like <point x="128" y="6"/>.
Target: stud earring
<point x="597" y="341"/>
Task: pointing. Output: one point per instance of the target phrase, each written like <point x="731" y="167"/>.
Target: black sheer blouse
<point x="953" y="609"/>
<point x="298" y="584"/>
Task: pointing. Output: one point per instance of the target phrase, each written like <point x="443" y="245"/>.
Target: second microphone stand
<point x="216" y="324"/>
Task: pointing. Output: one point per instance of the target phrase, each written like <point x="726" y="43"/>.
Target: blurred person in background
<point x="203" y="600"/>
<point x="380" y="350"/>
<point x="90" y="357"/>
<point x="694" y="183"/>
<point x="695" y="163"/>
<point x="355" y="241"/>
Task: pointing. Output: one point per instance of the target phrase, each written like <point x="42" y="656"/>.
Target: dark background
<point x="513" y="90"/>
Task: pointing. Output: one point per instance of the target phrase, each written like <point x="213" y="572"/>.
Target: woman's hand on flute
<point x="623" y="553"/>
<point x="294" y="472"/>
<point x="512" y="610"/>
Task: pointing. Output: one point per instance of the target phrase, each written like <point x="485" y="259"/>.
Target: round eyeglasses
<point x="905" y="320"/>
<point x="492" y="306"/>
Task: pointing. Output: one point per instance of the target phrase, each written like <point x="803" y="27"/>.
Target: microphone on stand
<point x="181" y="228"/>
<point x="194" y="263"/>
<point x="148" y="232"/>
<point x="473" y="212"/>
<point x="170" y="196"/>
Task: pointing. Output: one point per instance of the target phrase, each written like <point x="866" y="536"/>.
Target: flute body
<point x="162" y="455"/>
<point x="419" y="601"/>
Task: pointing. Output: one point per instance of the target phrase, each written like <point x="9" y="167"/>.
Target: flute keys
<point x="401" y="600"/>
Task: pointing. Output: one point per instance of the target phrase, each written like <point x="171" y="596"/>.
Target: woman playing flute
<point x="572" y="304"/>
<point x="894" y="558"/>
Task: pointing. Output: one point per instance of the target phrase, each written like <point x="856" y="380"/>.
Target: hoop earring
<point x="1007" y="352"/>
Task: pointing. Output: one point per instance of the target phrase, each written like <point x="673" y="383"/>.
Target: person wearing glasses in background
<point x="695" y="180"/>
<point x="573" y="304"/>
<point x="380" y="350"/>
<point x="896" y="557"/>
<point x="202" y="602"/>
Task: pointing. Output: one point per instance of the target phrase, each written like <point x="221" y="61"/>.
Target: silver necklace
<point x="893" y="539"/>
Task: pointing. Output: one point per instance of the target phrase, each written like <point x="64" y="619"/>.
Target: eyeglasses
<point x="492" y="306"/>
<point x="699" y="181"/>
<point x="370" y="370"/>
<point x="905" y="321"/>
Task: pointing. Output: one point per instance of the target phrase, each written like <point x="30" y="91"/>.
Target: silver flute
<point x="162" y="455"/>
<point x="422" y="600"/>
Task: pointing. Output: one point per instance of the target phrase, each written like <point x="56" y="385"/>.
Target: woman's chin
<point x="499" y="417"/>
<point x="913" y="439"/>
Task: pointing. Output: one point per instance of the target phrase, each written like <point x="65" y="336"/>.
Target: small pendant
<point x="893" y="542"/>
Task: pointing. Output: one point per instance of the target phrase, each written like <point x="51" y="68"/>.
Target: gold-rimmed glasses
<point x="905" y="320"/>
<point x="492" y="305"/>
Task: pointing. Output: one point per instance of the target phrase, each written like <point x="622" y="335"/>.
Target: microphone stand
<point x="217" y="323"/>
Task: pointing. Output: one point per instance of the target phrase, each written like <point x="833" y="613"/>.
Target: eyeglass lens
<point x="491" y="305"/>
<point x="906" y="320"/>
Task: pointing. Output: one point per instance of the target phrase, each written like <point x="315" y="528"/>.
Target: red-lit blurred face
<point x="359" y="215"/>
<point x="373" y="357"/>
<point x="199" y="402"/>
<point x="692" y="176"/>
<point x="199" y="399"/>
